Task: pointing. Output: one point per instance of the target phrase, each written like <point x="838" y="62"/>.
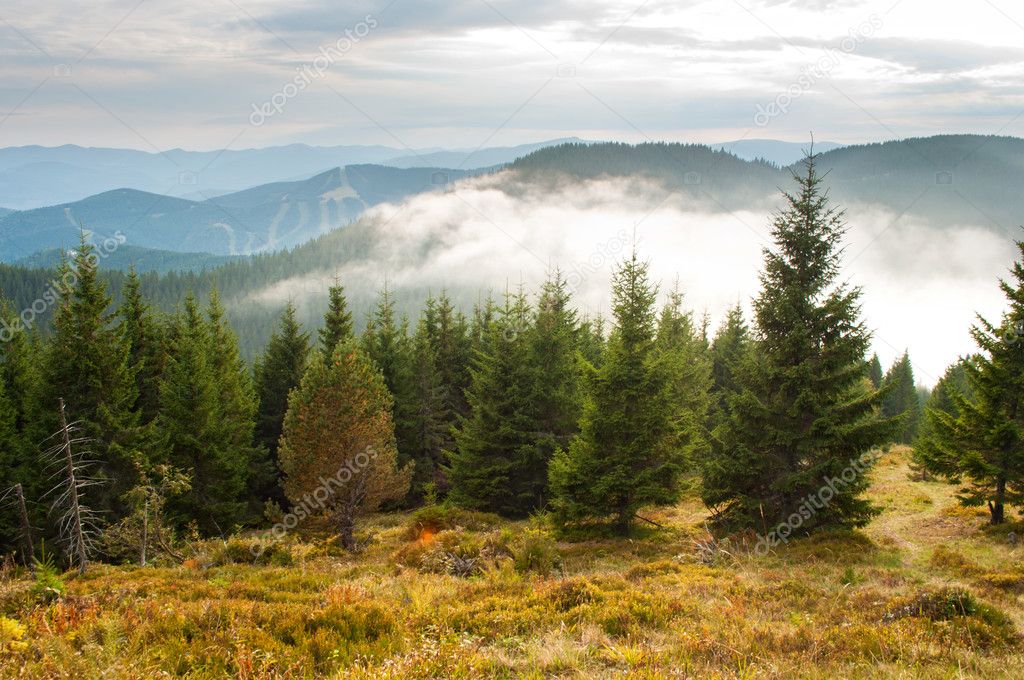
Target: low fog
<point x="922" y="285"/>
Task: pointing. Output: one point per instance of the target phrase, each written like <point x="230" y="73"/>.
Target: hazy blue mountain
<point x="261" y="219"/>
<point x="479" y="158"/>
<point x="143" y="259"/>
<point x="36" y="176"/>
<point x="4" y="212"/>
<point x="773" y="150"/>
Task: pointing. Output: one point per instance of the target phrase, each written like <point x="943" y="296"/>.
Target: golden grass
<point x="868" y="604"/>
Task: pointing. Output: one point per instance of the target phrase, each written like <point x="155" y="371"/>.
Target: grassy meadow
<point x="926" y="590"/>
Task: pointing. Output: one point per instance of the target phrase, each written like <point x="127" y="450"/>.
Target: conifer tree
<point x="87" y="364"/>
<point x="429" y="418"/>
<point x="496" y="464"/>
<point x="197" y="438"/>
<point x="681" y="347"/>
<point x="875" y="371"/>
<point x="452" y="347"/>
<point x="980" y="443"/>
<point x="10" y="446"/>
<point x="728" y="349"/>
<point x="337" y="321"/>
<point x="901" y="399"/>
<point x="625" y="455"/>
<point x="338" y="447"/>
<point x="591" y="341"/>
<point x="803" y="417"/>
<point x="237" y="402"/>
<point x="553" y="341"/>
<point x="277" y="373"/>
<point x="145" y="347"/>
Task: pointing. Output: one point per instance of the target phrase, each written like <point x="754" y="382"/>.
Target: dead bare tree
<point x="16" y="495"/>
<point x="77" y="524"/>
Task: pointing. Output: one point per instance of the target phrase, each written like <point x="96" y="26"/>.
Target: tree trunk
<point x="347" y="527"/>
<point x="78" y="536"/>
<point x="26" y="529"/>
<point x="996" y="508"/>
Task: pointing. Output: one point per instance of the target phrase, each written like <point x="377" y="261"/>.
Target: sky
<point x="212" y="74"/>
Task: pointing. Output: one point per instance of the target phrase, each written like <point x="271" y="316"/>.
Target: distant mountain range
<point x="36" y="176"/>
<point x="946" y="182"/>
<point x="773" y="151"/>
<point x="262" y="219"/>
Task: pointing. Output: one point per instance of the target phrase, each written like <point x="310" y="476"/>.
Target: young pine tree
<point x="901" y="399"/>
<point x="625" y="456"/>
<point x="980" y="442"/>
<point x="803" y="415"/>
<point x="496" y="464"/>
<point x="277" y="373"/>
<point x="338" y="448"/>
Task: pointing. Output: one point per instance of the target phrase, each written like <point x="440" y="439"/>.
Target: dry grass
<point x="865" y="604"/>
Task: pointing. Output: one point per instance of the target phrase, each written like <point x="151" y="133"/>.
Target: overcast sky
<point x="464" y="73"/>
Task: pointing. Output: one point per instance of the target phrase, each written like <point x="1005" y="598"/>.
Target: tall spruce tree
<point x="337" y="321"/>
<point x="875" y="371"/>
<point x="197" y="437"/>
<point x="728" y="349"/>
<point x="496" y="464"/>
<point x="682" y="348"/>
<point x="803" y="415"/>
<point x="451" y="346"/>
<point x="553" y="342"/>
<point x="429" y="418"/>
<point x="625" y="455"/>
<point x="901" y="399"/>
<point x="145" y="346"/>
<point x="87" y="364"/>
<point x="277" y="373"/>
<point x="237" y="401"/>
<point x="979" y="442"/>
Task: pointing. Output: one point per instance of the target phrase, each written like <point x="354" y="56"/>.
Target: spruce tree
<point x="496" y="464"/>
<point x="237" y="401"/>
<point x="979" y="443"/>
<point x="803" y="417"/>
<point x="451" y="346"/>
<point x="9" y="449"/>
<point x="553" y="342"/>
<point x="901" y="399"/>
<point x="197" y="438"/>
<point x="681" y="347"/>
<point x="338" y="447"/>
<point x="625" y="455"/>
<point x="875" y="371"/>
<point x="277" y="373"/>
<point x="591" y="340"/>
<point x="728" y="349"/>
<point x="337" y="321"/>
<point x="145" y="346"/>
<point x="429" y="418"/>
<point x="87" y="364"/>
